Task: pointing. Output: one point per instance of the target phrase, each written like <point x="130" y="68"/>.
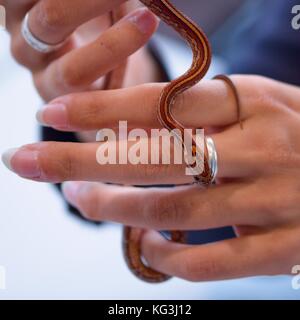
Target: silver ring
<point x="212" y="158"/>
<point x="35" y="43"/>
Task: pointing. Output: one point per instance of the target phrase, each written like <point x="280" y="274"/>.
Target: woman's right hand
<point x="91" y="51"/>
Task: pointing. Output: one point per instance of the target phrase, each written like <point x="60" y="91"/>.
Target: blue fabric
<point x="268" y="45"/>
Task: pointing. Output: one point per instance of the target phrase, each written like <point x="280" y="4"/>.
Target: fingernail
<point x="54" y="115"/>
<point x="7" y="156"/>
<point x="22" y="162"/>
<point x="70" y="191"/>
<point x="144" y="20"/>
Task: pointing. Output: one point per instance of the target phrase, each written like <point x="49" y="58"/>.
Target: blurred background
<point x="211" y="14"/>
<point x="49" y="254"/>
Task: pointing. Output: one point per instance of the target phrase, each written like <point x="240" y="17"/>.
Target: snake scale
<point x="202" y="55"/>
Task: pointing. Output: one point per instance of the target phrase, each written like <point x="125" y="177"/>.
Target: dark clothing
<point x="267" y="45"/>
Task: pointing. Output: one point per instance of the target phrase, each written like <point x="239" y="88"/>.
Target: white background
<point x="49" y="254"/>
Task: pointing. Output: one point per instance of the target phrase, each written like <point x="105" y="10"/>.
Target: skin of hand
<point x="258" y="180"/>
<point x="91" y="49"/>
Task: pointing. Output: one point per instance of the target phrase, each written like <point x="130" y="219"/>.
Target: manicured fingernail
<point x="54" y="115"/>
<point x="70" y="191"/>
<point x="23" y="162"/>
<point x="7" y="156"/>
<point x="144" y="20"/>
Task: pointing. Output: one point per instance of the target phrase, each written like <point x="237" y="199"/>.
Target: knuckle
<point x="286" y="202"/>
<point x="205" y="270"/>
<point x="281" y="204"/>
<point x="92" y="116"/>
<point x="49" y="16"/>
<point x="263" y="94"/>
<point x="253" y="81"/>
<point x="266" y="102"/>
<point x="56" y="169"/>
<point x="288" y="208"/>
<point x="268" y="207"/>
<point x="163" y="212"/>
<point x="277" y="150"/>
<point x="277" y="94"/>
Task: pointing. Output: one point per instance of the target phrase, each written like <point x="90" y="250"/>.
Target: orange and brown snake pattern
<point x="200" y="46"/>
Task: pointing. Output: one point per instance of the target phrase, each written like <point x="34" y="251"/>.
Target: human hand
<point x="258" y="189"/>
<point x="91" y="51"/>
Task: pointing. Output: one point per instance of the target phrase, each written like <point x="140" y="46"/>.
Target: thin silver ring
<point x="212" y="158"/>
<point x="35" y="43"/>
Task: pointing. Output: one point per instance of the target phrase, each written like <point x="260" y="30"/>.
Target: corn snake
<point x="202" y="54"/>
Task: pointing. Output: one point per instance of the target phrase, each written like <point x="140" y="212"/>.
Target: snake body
<point x="201" y="61"/>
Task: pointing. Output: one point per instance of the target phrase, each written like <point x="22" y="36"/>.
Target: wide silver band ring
<point x="35" y="43"/>
<point x="212" y="158"/>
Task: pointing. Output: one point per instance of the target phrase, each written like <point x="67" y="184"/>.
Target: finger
<point x="178" y="208"/>
<point x="29" y="57"/>
<point x="82" y="67"/>
<point x="259" y="254"/>
<point x="20" y="49"/>
<point x="58" y="162"/>
<point x="16" y="10"/>
<point x="210" y="103"/>
<point x="240" y="154"/>
<point x="52" y="21"/>
<point x="148" y="162"/>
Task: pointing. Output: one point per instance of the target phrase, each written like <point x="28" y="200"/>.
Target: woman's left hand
<point x="259" y="175"/>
